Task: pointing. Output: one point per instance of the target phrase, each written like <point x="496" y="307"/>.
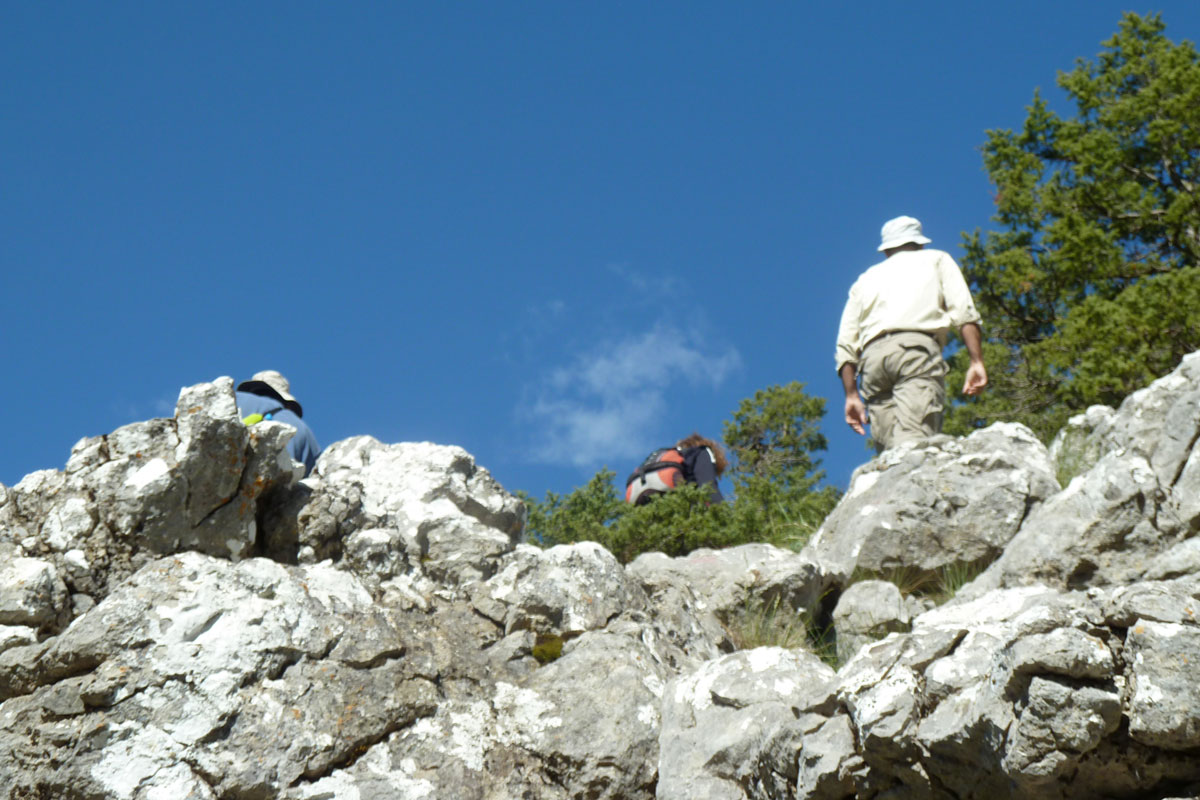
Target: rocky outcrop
<point x="180" y="617"/>
<point x="190" y="483"/>
<point x="1134" y="512"/>
<point x="931" y="503"/>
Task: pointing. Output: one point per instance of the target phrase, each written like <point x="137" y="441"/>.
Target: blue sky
<point x="556" y="234"/>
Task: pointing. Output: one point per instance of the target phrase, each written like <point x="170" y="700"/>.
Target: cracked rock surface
<point x="182" y="619"/>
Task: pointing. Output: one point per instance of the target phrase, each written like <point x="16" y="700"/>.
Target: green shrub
<point x="775" y="499"/>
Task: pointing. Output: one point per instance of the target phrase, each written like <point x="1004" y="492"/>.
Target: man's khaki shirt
<point x="913" y="290"/>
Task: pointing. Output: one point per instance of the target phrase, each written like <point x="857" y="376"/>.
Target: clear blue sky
<point x="556" y="234"/>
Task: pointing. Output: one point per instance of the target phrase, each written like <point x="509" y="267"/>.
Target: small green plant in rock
<point x="938" y="585"/>
<point x="954" y="576"/>
<point x="547" y="648"/>
<point x="760" y="623"/>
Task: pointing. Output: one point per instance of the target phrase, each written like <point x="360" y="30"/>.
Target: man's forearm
<point x="973" y="339"/>
<point x="976" y="378"/>
<point x="849" y="376"/>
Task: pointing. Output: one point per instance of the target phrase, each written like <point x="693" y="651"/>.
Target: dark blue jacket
<point x="303" y="446"/>
<point x="698" y="468"/>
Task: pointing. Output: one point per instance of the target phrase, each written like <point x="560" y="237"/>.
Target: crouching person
<point x="694" y="459"/>
<point x="267" y="395"/>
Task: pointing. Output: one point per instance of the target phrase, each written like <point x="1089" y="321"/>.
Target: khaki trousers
<point x="902" y="380"/>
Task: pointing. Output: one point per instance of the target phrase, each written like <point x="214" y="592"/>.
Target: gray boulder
<point x="730" y="729"/>
<point x="453" y="520"/>
<point x="1081" y="442"/>
<point x="697" y="598"/>
<point x="1134" y="513"/>
<point x="530" y="593"/>
<point x="207" y="678"/>
<point x="31" y="593"/>
<point x="1159" y="422"/>
<point x="586" y="725"/>
<point x="935" y="502"/>
<point x="866" y="612"/>
<point x="188" y="483"/>
<point x="1017" y="694"/>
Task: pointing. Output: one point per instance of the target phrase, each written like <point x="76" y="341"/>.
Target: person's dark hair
<point x="906" y="246"/>
<point x="696" y="440"/>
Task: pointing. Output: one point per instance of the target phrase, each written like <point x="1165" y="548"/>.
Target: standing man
<point x="268" y="395"/>
<point x="892" y="333"/>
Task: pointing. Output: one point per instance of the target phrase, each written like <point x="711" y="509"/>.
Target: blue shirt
<point x="303" y="446"/>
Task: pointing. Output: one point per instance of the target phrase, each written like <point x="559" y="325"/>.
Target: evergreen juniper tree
<point x="1089" y="287"/>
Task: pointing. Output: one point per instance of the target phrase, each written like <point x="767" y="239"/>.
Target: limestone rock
<point x="533" y="591"/>
<point x="732" y="724"/>
<point x="866" y="612"/>
<point x="1134" y="514"/>
<point x="584" y="726"/>
<point x="31" y="593"/>
<point x="1164" y="703"/>
<point x="934" y="502"/>
<point x="453" y="519"/>
<point x="695" y="597"/>
<point x="400" y="641"/>
<point x="203" y="673"/>
<point x="151" y="488"/>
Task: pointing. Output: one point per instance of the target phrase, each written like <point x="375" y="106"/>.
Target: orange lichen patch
<point x="1139" y="629"/>
<point x="347" y="715"/>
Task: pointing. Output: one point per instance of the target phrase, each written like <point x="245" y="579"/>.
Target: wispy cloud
<point x="605" y="405"/>
<point x="161" y="406"/>
<point x="649" y="284"/>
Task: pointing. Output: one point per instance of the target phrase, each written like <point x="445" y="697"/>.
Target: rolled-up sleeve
<point x="849" y="331"/>
<point x="956" y="296"/>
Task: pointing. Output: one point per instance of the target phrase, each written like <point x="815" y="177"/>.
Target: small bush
<point x="772" y="438"/>
<point x="761" y="623"/>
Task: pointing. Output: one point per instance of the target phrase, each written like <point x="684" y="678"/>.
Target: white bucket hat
<point x="275" y="384"/>
<point x="901" y="230"/>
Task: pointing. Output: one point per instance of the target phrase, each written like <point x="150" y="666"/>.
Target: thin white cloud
<point x="606" y="404"/>
<point x="648" y="283"/>
<point x="524" y="340"/>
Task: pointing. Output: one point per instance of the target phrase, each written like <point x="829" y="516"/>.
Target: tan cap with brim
<point x="274" y="384"/>
<point x="901" y="230"/>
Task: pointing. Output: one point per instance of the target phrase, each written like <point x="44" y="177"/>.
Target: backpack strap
<point x="656" y="461"/>
<point x="254" y="419"/>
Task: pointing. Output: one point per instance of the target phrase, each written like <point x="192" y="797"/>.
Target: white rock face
<point x="865" y="612"/>
<point x="936" y="502"/>
<point x="180" y="618"/>
<point x="152" y="488"/>
<point x="1133" y="512"/>
<point x="31" y="593"/>
<point x="451" y="515"/>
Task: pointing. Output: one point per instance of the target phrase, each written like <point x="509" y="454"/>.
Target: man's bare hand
<point x="856" y="414"/>
<point x="976" y="378"/>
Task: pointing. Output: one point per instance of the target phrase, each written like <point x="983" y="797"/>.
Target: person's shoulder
<point x="870" y="273"/>
<point x="934" y="254"/>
